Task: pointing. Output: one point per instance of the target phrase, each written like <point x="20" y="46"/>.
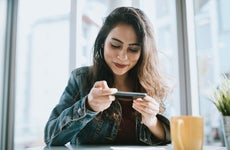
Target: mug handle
<point x="180" y="123"/>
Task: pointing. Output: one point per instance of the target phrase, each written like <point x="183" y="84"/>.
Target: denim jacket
<point x="70" y="120"/>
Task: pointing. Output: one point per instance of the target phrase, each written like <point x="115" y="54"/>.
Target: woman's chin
<point x="120" y="73"/>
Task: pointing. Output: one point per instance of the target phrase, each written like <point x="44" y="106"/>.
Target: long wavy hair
<point x="145" y="74"/>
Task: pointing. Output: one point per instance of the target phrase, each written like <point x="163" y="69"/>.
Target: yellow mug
<point x="187" y="132"/>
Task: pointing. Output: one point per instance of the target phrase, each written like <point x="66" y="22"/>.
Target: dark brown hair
<point x="145" y="74"/>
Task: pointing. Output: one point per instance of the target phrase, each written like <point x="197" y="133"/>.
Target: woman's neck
<point x="123" y="83"/>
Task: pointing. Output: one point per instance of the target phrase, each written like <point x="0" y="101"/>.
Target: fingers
<point x="150" y="99"/>
<point x="101" y="84"/>
<point x="103" y="92"/>
<point x="148" y="105"/>
<point x="101" y="96"/>
<point x="147" y="102"/>
<point x="101" y="88"/>
<point x="145" y="110"/>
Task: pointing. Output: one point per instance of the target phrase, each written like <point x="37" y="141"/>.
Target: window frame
<point x="189" y="98"/>
<point x="189" y="101"/>
<point x="7" y="117"/>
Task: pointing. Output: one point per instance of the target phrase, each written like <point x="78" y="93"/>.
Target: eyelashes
<point x="134" y="50"/>
<point x="114" y="46"/>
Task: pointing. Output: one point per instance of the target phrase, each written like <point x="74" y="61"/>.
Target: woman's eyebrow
<point x="115" y="39"/>
<point x="135" y="44"/>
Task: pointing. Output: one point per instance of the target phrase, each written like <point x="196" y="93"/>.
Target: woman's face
<point x="121" y="49"/>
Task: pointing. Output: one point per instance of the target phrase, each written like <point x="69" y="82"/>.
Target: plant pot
<point x="226" y="130"/>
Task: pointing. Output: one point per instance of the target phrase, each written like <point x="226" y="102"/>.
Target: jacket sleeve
<point x="68" y="117"/>
<point x="148" y="138"/>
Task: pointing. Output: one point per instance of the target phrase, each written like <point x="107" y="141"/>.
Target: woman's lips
<point x="120" y="65"/>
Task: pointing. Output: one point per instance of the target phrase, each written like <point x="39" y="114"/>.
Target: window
<point x="212" y="37"/>
<point x="89" y="20"/>
<point x="42" y="66"/>
<point x="56" y="36"/>
<point x="43" y="53"/>
<point x="164" y="23"/>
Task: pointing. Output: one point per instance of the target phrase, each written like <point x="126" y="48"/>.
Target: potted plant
<point x="221" y="99"/>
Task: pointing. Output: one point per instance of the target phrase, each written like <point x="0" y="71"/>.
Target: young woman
<point x="125" y="59"/>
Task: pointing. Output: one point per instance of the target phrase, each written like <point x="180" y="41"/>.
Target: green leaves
<point x="221" y="96"/>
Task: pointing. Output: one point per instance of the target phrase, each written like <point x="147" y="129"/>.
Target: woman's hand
<point x="148" y="107"/>
<point x="100" y="96"/>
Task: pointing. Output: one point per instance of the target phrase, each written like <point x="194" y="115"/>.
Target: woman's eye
<point x="115" y="46"/>
<point x="134" y="50"/>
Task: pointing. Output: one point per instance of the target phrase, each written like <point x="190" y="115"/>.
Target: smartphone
<point x="129" y="95"/>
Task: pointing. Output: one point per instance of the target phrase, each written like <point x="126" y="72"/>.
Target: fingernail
<point x="114" y="90"/>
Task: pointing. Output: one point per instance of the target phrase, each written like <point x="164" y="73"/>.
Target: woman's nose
<point x="122" y="55"/>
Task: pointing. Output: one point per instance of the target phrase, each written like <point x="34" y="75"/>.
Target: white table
<point x="115" y="147"/>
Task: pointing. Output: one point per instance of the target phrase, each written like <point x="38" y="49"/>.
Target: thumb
<point x="101" y="84"/>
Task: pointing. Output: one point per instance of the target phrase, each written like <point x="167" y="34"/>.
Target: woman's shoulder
<point x="85" y="70"/>
<point x="83" y="77"/>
